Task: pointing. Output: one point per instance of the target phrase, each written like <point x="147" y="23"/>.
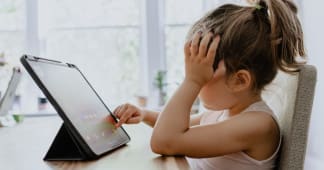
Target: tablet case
<point x="67" y="144"/>
<point x="65" y="147"/>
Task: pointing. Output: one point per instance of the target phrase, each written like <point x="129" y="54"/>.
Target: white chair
<point x="291" y="97"/>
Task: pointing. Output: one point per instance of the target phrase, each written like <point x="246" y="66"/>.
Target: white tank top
<point x="239" y="160"/>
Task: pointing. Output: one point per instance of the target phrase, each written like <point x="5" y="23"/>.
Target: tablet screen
<point x="81" y="105"/>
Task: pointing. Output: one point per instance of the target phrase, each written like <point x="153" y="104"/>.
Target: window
<point x="99" y="36"/>
<point x="12" y="37"/>
<point x="12" y="28"/>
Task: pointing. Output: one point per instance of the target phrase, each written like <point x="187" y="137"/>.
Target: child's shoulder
<point x="261" y="122"/>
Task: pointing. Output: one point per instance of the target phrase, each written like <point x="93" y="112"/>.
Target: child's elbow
<point x="162" y="146"/>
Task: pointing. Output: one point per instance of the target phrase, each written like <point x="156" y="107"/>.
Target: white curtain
<point x="312" y="16"/>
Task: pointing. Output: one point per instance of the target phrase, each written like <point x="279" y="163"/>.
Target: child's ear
<point x="241" y="80"/>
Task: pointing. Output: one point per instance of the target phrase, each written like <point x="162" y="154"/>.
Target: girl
<point x="231" y="54"/>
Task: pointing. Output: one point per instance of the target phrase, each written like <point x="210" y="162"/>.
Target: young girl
<point x="231" y="54"/>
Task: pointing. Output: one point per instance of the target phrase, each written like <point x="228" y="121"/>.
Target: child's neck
<point x="243" y="104"/>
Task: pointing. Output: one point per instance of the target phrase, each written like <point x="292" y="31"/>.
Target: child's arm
<point x="130" y="114"/>
<point x="150" y="117"/>
<point x="174" y="120"/>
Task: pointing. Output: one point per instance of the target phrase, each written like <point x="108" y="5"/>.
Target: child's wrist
<point x="192" y="82"/>
<point x="144" y="114"/>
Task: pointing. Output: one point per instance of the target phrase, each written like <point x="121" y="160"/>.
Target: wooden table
<point x="24" y="146"/>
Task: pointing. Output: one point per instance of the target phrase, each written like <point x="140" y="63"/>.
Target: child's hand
<point x="199" y="58"/>
<point x="129" y="114"/>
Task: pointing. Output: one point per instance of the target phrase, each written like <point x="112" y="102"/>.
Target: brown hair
<point x="261" y="38"/>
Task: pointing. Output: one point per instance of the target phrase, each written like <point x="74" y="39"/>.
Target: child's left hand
<point x="199" y="58"/>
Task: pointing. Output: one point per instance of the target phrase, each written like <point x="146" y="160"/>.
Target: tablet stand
<point x="64" y="147"/>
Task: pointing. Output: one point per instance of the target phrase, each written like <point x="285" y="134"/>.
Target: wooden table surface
<point x="24" y="146"/>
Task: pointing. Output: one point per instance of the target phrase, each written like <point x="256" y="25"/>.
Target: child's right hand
<point x="128" y="114"/>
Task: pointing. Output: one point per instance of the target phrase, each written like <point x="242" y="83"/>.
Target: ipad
<point x="8" y="98"/>
<point x="82" y="110"/>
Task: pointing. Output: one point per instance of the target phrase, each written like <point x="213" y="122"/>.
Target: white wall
<point x="313" y="22"/>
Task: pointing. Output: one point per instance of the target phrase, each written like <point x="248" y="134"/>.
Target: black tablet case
<point x="66" y="145"/>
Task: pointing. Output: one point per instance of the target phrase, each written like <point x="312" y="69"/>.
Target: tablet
<point x="84" y="114"/>
<point x="9" y="96"/>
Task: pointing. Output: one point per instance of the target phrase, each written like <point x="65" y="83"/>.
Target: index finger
<point x="213" y="48"/>
<point x="187" y="48"/>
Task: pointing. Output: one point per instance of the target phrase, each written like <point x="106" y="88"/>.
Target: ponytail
<point x="286" y="34"/>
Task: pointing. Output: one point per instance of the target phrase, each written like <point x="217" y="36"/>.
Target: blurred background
<point x="130" y="50"/>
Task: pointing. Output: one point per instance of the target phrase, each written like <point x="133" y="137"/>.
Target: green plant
<point x="2" y="59"/>
<point x="160" y="80"/>
<point x="160" y="83"/>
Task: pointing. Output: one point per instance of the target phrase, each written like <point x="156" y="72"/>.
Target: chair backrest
<point x="291" y="97"/>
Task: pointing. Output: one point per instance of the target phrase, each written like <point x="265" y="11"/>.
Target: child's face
<point x="216" y="95"/>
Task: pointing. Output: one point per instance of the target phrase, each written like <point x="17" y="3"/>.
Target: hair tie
<point x="258" y="6"/>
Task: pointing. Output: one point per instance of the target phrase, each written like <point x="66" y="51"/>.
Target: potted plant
<point x="160" y="83"/>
